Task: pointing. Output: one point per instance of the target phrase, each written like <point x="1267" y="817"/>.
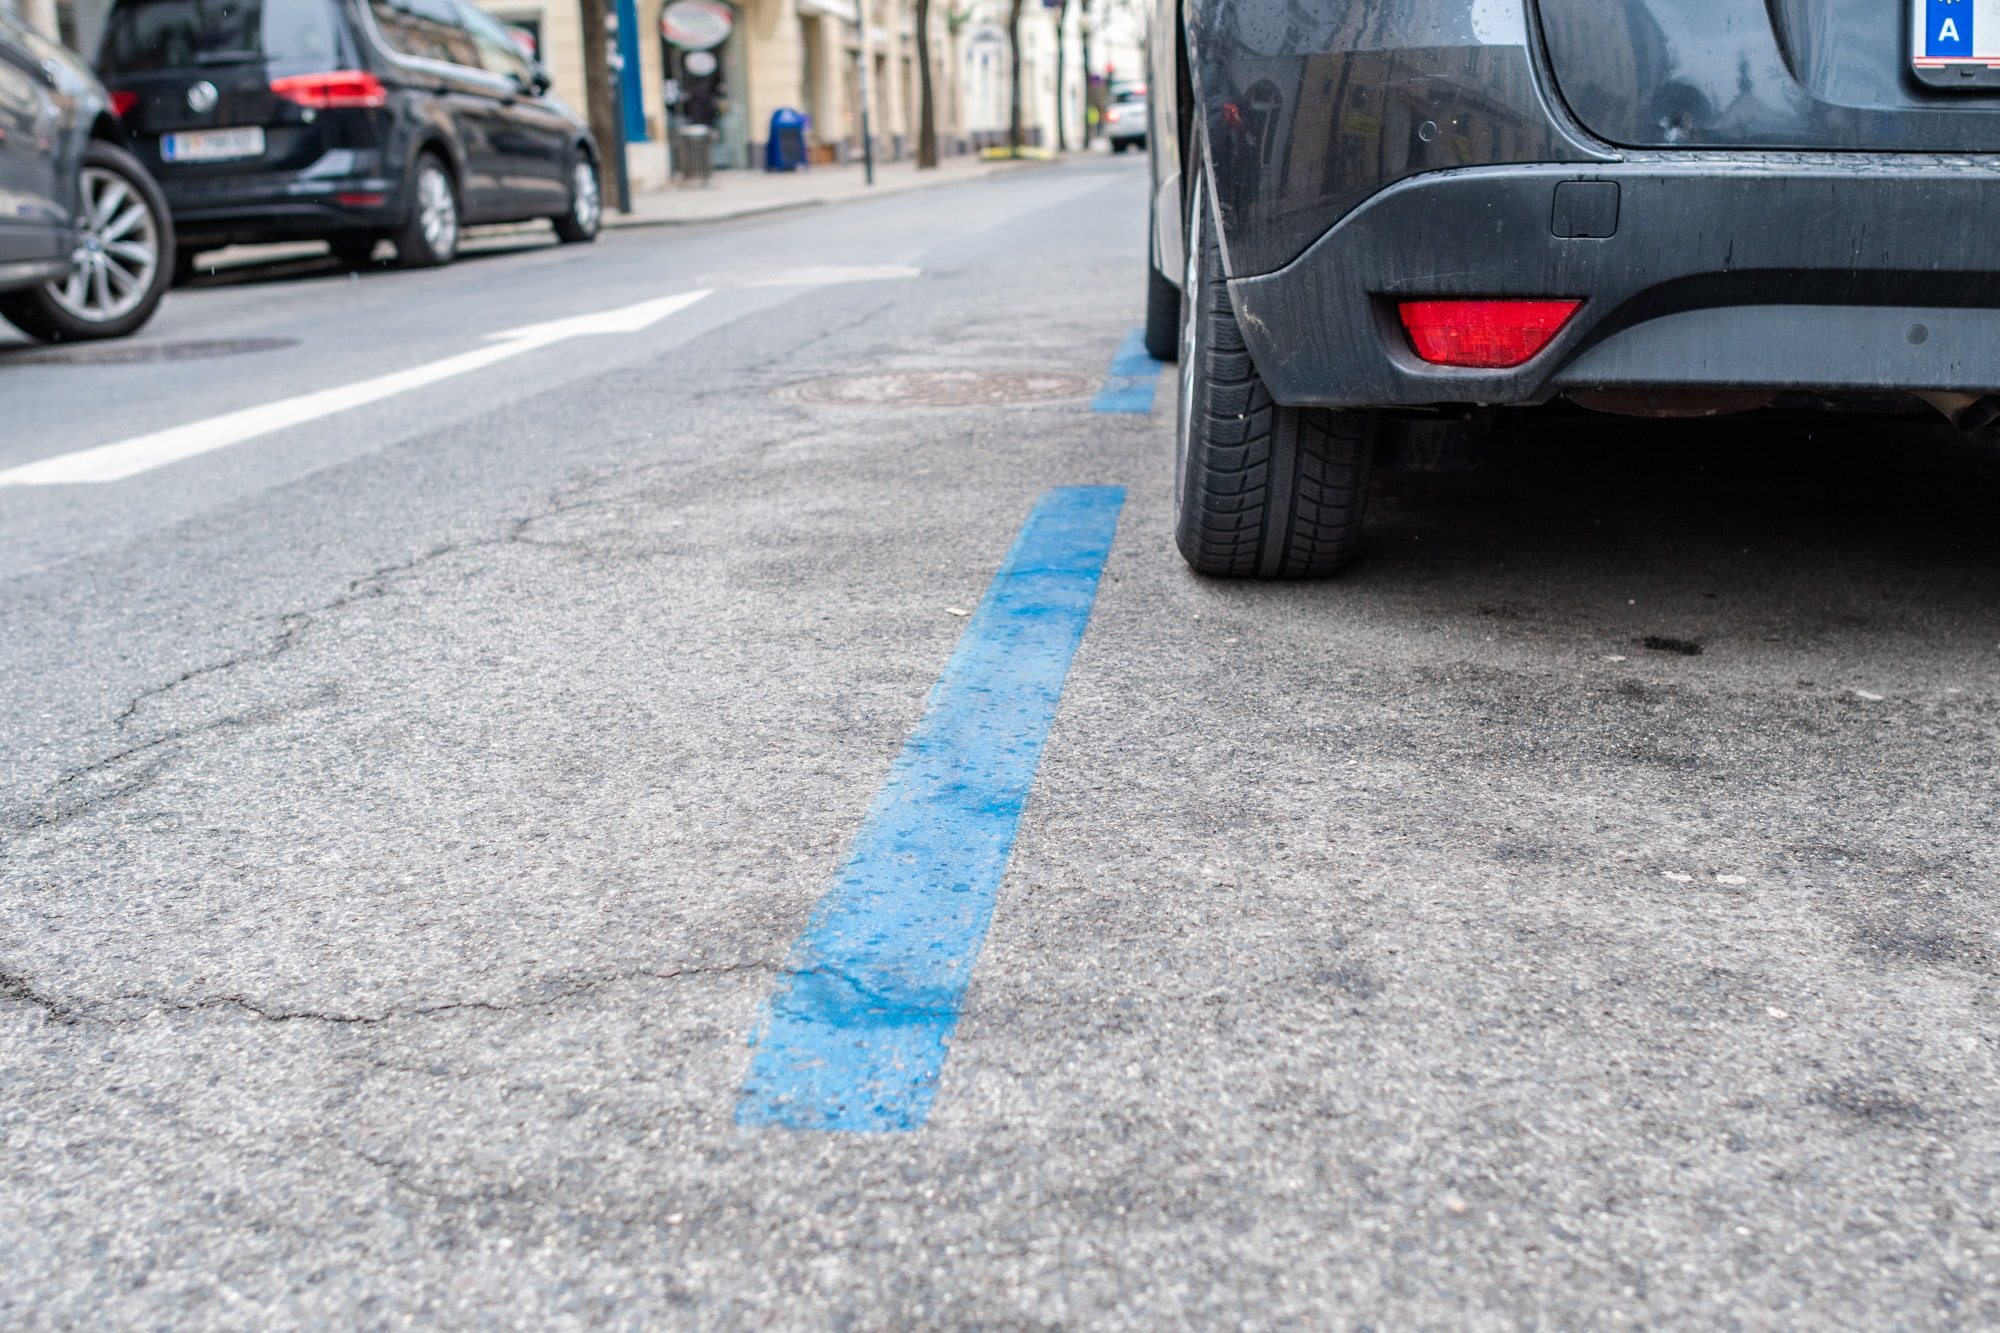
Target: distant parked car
<point x="1125" y="116"/>
<point x="84" y="231"/>
<point x="345" y="121"/>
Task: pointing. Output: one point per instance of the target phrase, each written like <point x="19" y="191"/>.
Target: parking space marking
<point x="143" y="453"/>
<point x="1134" y="375"/>
<point x="856" y="1033"/>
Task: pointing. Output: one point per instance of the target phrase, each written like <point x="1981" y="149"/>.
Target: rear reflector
<point x="360" y="200"/>
<point x="122" y="102"/>
<point x="1485" y="335"/>
<point x="340" y="88"/>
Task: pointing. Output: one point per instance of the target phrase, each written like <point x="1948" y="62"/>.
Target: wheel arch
<point x="433" y="144"/>
<point x="107" y="128"/>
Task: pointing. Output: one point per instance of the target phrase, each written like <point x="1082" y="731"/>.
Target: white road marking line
<point x="816" y="275"/>
<point x="142" y="453"/>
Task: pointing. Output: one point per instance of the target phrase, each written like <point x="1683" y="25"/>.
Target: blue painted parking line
<point x="1133" y="377"/>
<point x="858" y="1028"/>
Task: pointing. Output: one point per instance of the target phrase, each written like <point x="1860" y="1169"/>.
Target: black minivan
<point x="346" y="121"/>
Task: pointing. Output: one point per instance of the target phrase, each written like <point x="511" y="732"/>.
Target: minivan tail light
<point x="340" y="88"/>
<point x="1483" y="335"/>
<point x="122" y="102"/>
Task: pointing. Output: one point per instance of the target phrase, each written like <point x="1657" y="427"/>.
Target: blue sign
<point x="1947" y="28"/>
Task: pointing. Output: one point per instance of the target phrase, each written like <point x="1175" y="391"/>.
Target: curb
<point x="789" y="205"/>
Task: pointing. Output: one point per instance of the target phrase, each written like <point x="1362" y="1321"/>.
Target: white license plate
<point x="212" y="145"/>
<point x="1954" y="33"/>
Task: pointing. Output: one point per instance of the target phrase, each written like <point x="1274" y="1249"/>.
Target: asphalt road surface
<point x="1581" y="914"/>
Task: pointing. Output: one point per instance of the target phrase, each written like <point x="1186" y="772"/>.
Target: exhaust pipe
<point x="1967" y="411"/>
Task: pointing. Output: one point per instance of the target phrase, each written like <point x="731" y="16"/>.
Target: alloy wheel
<point x="585" y="204"/>
<point x="117" y="251"/>
<point x="437" y="211"/>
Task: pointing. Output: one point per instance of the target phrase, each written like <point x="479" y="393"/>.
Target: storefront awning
<point x="830" y="8"/>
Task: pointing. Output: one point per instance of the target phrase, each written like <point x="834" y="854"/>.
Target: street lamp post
<point x="861" y="89"/>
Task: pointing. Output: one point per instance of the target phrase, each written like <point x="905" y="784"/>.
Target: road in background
<point x="1581" y="912"/>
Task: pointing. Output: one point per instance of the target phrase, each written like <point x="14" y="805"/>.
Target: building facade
<point x="804" y="55"/>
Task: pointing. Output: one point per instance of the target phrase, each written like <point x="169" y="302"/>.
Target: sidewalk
<point x="738" y="194"/>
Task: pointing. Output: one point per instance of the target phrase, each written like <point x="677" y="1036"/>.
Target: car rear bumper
<point x="1750" y="270"/>
<point x="343" y="191"/>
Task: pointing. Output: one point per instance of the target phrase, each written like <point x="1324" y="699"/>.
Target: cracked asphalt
<point x="406" y="814"/>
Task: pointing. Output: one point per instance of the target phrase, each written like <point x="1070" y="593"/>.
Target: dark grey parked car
<point x="1370" y="212"/>
<point x="85" y="239"/>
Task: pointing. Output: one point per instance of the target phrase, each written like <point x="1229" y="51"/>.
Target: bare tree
<point x="601" y="108"/>
<point x="1062" y="90"/>
<point x="926" y="107"/>
<point x="1089" y="93"/>
<point x="1014" y="79"/>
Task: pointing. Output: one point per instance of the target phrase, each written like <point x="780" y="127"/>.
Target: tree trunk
<point x="1089" y="95"/>
<point x="599" y="106"/>
<point x="926" y="107"/>
<point x="1014" y="70"/>
<point x="1062" y="90"/>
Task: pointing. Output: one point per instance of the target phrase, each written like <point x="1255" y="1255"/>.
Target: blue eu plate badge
<point x="1949" y="32"/>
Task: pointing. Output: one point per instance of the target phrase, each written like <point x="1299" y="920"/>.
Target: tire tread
<point x="1235" y="430"/>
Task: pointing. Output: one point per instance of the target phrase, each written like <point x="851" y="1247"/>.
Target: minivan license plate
<point x="1954" y="45"/>
<point x="212" y="145"/>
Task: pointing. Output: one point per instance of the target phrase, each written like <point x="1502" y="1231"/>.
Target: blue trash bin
<point x="786" y="148"/>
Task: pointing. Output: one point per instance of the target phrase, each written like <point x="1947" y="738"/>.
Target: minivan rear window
<point x="143" y="35"/>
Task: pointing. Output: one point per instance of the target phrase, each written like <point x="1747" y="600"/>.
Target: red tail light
<point x="122" y="102"/>
<point x="341" y="88"/>
<point x="1485" y="335"/>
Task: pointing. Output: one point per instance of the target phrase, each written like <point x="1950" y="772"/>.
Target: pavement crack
<point x="71" y="796"/>
<point x="397" y="1172"/>
<point x="338" y="1019"/>
<point x="65" y="801"/>
<point x="791" y="355"/>
<point x="19" y="988"/>
<point x="15" y="986"/>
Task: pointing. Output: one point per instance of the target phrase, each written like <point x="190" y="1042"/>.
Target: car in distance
<point x="1370" y="212"/>
<point x="346" y="121"/>
<point x="84" y="232"/>
<point x="1125" y="116"/>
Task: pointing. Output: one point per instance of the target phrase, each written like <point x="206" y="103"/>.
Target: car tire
<point x="586" y="202"/>
<point x="1262" y="490"/>
<point x="429" y="235"/>
<point x="125" y="257"/>
<point x="354" y="251"/>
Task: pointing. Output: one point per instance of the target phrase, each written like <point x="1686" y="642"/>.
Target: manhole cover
<point x="944" y="388"/>
<point x="128" y="353"/>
